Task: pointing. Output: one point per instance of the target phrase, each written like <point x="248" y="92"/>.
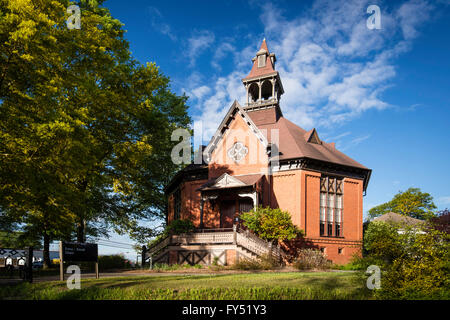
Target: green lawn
<point x="259" y="286"/>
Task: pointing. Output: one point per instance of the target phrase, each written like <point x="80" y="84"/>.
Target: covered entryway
<point x="227" y="211"/>
<point x="232" y="194"/>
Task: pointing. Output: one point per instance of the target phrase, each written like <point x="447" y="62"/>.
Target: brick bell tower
<point x="263" y="85"/>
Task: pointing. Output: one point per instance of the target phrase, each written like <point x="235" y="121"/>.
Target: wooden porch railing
<point x="239" y="237"/>
<point x="203" y="238"/>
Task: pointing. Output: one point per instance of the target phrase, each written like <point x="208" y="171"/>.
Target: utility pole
<point x="61" y="262"/>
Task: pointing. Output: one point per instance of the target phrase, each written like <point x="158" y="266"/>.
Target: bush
<point x="359" y="263"/>
<point x="180" y="226"/>
<point x="311" y="259"/>
<point x="271" y="224"/>
<point x="422" y="271"/>
<point x="383" y="243"/>
<point x="265" y="262"/>
<point x="113" y="262"/>
<point x="415" y="262"/>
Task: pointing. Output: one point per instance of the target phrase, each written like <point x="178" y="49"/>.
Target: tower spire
<point x="263" y="83"/>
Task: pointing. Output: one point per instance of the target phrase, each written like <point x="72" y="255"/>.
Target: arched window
<point x="266" y="90"/>
<point x="253" y="92"/>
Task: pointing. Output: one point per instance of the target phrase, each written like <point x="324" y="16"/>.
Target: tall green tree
<point x="84" y="128"/>
<point x="412" y="202"/>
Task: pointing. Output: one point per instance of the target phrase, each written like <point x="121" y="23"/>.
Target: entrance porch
<point x="229" y="196"/>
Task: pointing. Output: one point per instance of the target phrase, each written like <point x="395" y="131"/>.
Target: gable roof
<point x="398" y="218"/>
<point x="234" y="109"/>
<point x="226" y="181"/>
<point x="295" y="142"/>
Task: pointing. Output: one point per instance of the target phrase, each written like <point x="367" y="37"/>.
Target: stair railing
<point x="158" y="247"/>
<point x="256" y="245"/>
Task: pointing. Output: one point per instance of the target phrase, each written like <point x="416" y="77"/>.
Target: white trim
<point x="218" y="135"/>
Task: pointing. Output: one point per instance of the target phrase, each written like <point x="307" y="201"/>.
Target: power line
<point x="106" y="240"/>
<point x="116" y="244"/>
<point x="112" y="246"/>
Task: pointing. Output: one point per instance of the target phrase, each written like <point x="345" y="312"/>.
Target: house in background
<point x="401" y="220"/>
<point x="393" y="217"/>
<point x="257" y="157"/>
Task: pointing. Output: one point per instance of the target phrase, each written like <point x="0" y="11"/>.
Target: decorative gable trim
<point x="224" y="125"/>
<point x="227" y="181"/>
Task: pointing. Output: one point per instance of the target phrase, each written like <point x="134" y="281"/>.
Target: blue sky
<point x="381" y="95"/>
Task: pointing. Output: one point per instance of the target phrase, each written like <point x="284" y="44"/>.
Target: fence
<point x="16" y="264"/>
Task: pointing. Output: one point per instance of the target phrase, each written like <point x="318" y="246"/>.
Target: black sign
<point x="74" y="251"/>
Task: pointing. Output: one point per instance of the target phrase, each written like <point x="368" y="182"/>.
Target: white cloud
<point x="200" y="92"/>
<point x="345" y="144"/>
<point x="158" y="24"/>
<point x="224" y="92"/>
<point x="412" y="14"/>
<point x="221" y="52"/>
<point x="198" y="43"/>
<point x="332" y="67"/>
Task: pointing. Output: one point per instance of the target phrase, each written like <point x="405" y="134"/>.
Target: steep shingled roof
<point x="260" y="71"/>
<point x="293" y="143"/>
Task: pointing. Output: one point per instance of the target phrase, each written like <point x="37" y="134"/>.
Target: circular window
<point x="238" y="152"/>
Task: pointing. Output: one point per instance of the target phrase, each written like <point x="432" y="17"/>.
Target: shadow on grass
<point x="228" y="286"/>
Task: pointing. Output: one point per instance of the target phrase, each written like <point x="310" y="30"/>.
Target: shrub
<point x="360" y="263"/>
<point x="311" y="259"/>
<point x="265" y="262"/>
<point x="382" y="242"/>
<point x="112" y="262"/>
<point x="180" y="226"/>
<point x="271" y="224"/>
<point x="422" y="271"/>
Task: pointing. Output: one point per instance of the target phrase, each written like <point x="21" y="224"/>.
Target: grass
<point x="250" y="286"/>
<point x="172" y="267"/>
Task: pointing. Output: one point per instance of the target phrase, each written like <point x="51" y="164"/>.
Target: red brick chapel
<point x="257" y="157"/>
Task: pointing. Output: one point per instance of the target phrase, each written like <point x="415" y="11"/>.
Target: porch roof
<point x="226" y="181"/>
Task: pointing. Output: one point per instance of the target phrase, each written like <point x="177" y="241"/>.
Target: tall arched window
<point x="266" y="89"/>
<point x="331" y="206"/>
<point x="253" y="92"/>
